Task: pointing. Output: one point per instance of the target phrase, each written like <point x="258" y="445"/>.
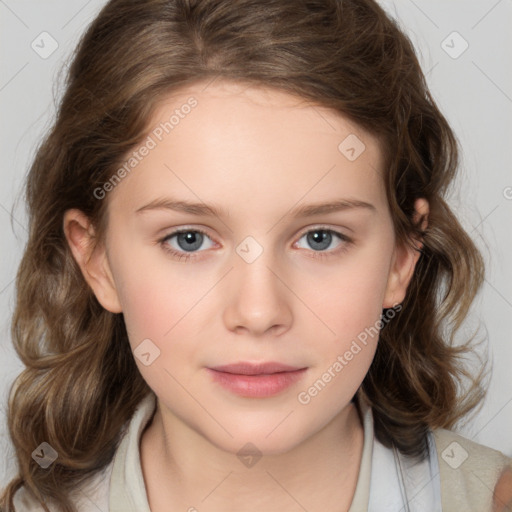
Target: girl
<point x="242" y="281"/>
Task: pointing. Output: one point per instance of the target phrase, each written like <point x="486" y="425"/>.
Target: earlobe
<point x="404" y="261"/>
<point x="91" y="258"/>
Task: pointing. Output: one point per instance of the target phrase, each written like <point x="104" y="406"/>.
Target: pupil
<point x="320" y="237"/>
<point x="190" y="240"/>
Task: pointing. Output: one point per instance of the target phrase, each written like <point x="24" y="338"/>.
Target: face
<point x="257" y="270"/>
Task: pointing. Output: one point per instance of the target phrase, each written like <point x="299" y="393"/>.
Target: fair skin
<point x="257" y="154"/>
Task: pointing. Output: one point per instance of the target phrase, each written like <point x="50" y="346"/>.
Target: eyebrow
<point x="202" y="209"/>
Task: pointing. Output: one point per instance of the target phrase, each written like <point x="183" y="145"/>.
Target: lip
<point x="256" y="380"/>
<point x="248" y="368"/>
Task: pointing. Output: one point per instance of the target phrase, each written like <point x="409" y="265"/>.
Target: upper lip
<point x="247" y="368"/>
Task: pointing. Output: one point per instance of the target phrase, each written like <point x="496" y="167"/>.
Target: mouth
<point x="256" y="380"/>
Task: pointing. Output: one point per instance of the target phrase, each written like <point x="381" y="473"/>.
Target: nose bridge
<point x="258" y="299"/>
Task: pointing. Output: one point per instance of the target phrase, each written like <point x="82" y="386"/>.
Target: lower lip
<point x="257" y="386"/>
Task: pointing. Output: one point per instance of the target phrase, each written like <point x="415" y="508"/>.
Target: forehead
<point x="245" y="147"/>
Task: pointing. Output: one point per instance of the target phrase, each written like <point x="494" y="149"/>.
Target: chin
<point x="266" y="438"/>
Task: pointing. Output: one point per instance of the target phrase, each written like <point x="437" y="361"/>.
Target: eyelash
<point x="193" y="255"/>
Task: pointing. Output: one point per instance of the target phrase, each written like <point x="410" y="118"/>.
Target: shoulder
<point x="88" y="497"/>
<point x="25" y="502"/>
<point x="94" y="493"/>
<point x="473" y="476"/>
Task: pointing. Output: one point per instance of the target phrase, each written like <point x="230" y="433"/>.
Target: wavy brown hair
<point x="81" y="383"/>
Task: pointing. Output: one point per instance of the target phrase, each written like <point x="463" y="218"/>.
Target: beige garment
<point x="469" y="472"/>
<point x="120" y="486"/>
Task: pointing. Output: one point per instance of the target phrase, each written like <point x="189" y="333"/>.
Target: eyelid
<point x="182" y="255"/>
<point x="192" y="255"/>
<point x="186" y="229"/>
<point x="320" y="227"/>
<point x="345" y="241"/>
<point x="304" y="231"/>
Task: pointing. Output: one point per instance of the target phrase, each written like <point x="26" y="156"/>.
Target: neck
<point x="184" y="469"/>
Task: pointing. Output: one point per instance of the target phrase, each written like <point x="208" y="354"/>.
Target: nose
<point x="257" y="298"/>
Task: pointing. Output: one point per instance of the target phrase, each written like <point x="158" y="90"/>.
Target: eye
<point x="320" y="239"/>
<point x="183" y="243"/>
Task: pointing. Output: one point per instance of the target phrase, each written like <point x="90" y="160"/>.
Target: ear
<point x="91" y="258"/>
<point x="404" y="260"/>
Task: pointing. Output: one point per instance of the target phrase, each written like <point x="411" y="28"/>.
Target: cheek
<point x="148" y="309"/>
<point x="155" y="314"/>
<point x="351" y="306"/>
<point x="154" y="303"/>
<point x="363" y="297"/>
<point x="154" y="292"/>
<point x="348" y="296"/>
<point x="162" y="302"/>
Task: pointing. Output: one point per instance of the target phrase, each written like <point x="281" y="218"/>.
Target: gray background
<point x="473" y="89"/>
